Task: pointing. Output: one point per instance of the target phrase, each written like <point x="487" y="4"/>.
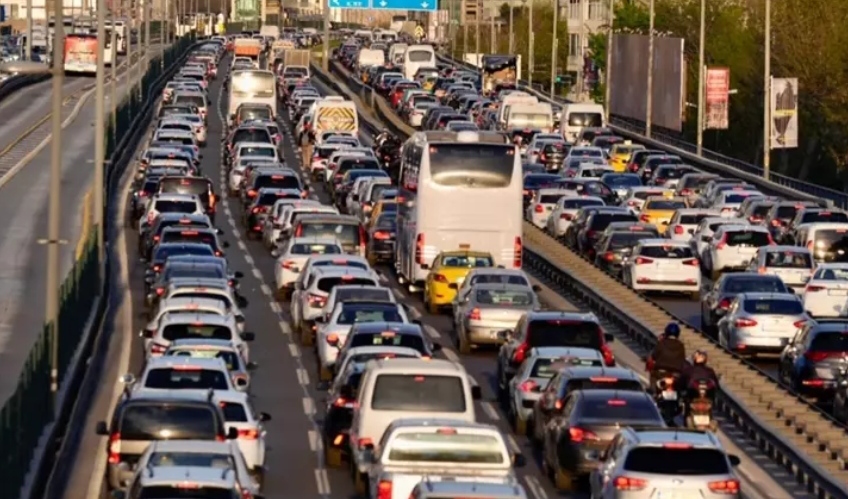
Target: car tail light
<point x="160" y="291"/>
<point x="678" y="229"/>
<point x="419" y="249"/>
<point x="686" y="192"/>
<point x="114" y="444"/>
<point x="255" y="210"/>
<point x="566" y="216"/>
<point x="517" y="249"/>
<point x="745" y="323"/>
<point x="609" y="357"/>
<point x="382" y="236"/>
<point x="317" y="300"/>
<point x="384" y="489"/>
<point x="641" y="260"/>
<point x="721" y="244"/>
<point x="579" y="435"/>
<point x="539" y="209"/>
<point x="609" y="256"/>
<point x="246" y="494"/>
<point x="814" y="356"/>
<point x="724" y="304"/>
<point x="813" y="289"/>
<point x="629" y="483"/>
<point x="644" y="218"/>
<point x="520" y="353"/>
<point x="474" y="315"/>
<point x="157" y="348"/>
<point x="248" y="434"/>
<point x="730" y="487"/>
<point x="692" y="262"/>
<point x="440" y="278"/>
<point x="528" y="386"/>
<point x="288" y="265"/>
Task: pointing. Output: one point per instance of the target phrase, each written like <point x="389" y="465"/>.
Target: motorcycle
<point x="699" y="405"/>
<point x="668" y="398"/>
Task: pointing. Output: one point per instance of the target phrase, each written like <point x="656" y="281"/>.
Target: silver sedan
<point x="488" y="309"/>
<point x="761" y="322"/>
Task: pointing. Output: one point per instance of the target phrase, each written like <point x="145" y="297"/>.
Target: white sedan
<point x="239" y="414"/>
<point x="663" y="265"/>
<point x="826" y="294"/>
<point x="293" y="256"/>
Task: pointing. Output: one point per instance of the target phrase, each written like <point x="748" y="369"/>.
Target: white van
<point x="511" y="99"/>
<point x="370" y="57"/>
<point x="826" y="240"/>
<point x="396" y="52"/>
<point x="393" y="389"/>
<point x="417" y="56"/>
<point x="538" y="116"/>
<point x="575" y="117"/>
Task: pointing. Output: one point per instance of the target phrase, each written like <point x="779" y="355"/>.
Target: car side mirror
<point x="518" y="460"/>
<point x="609" y="338"/>
<point x="734" y="460"/>
<point x="240" y="319"/>
<point x="241" y="301"/>
<point x="252" y="366"/>
<point x="101" y="428"/>
<point x="225" y="244"/>
<point x="537" y="288"/>
<point x="437" y="347"/>
<point x="476" y="392"/>
<point x="453" y="285"/>
<point x="247" y="336"/>
<point x="504" y="334"/>
<point x="232" y="433"/>
<point x="238" y="274"/>
<point x="264" y="416"/>
<point x="241" y="382"/>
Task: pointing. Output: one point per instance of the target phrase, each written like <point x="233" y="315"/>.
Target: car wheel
<point x="464" y="346"/>
<point x="332" y="456"/>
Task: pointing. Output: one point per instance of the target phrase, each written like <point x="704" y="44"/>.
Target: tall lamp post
<point x="767" y="95"/>
<point x="649" y="111"/>
<point x="608" y="69"/>
<point x="100" y="127"/>
<point x="701" y="70"/>
<point x="554" y="43"/>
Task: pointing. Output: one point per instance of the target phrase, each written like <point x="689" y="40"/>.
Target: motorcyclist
<point x="669" y="355"/>
<point x="698" y="370"/>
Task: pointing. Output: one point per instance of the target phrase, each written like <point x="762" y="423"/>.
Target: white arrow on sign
<point x="424" y="5"/>
<point x="383" y="3"/>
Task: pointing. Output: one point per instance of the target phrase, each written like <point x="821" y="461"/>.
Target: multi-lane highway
<point x="24" y="186"/>
<point x="285" y="383"/>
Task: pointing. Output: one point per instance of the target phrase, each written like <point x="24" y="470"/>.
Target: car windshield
<point x="446" y="446"/>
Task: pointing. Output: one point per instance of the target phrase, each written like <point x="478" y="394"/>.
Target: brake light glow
<point x="440" y="278"/>
<point x="729" y="487"/>
<point x="640" y="260"/>
<point x="579" y="435"/>
<point x="678" y="229"/>
<point x="474" y="315"/>
<point x="724" y="304"/>
<point x="114" y="444"/>
<point x="527" y="386"/>
<point x="384" y="489"/>
<point x="629" y="483"/>
<point x="814" y="356"/>
<point x="539" y="209"/>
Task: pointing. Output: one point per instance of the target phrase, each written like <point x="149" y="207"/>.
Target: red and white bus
<point x="81" y="53"/>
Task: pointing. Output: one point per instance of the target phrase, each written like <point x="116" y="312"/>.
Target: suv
<point x="144" y="417"/>
<point x="172" y="481"/>
<point x="549" y="329"/>
<point x="675" y="461"/>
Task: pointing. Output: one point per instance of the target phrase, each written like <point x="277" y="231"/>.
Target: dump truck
<point x="247" y="47"/>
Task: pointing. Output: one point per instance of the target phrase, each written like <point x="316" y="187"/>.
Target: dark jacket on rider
<point x="669" y="355"/>
<point x="697" y="372"/>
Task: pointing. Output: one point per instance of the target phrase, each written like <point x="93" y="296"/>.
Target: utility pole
<point x="532" y="50"/>
<point x="55" y="204"/>
<point x="477" y="28"/>
<point x="649" y="111"/>
<point x="492" y="35"/>
<point x="554" y="43"/>
<point x="100" y="129"/>
<point x="767" y="95"/>
<point x="511" y="29"/>
<point x="325" y="60"/>
<point x="701" y="76"/>
<point x="608" y="70"/>
<point x="29" y="30"/>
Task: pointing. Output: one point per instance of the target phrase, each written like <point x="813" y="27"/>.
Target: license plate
<point x="493" y="334"/>
<point x="701" y="420"/>
<point x="838" y="292"/>
<point x="669" y="395"/>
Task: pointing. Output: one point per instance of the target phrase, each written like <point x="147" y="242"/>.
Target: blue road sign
<point x="420" y="5"/>
<point x="350" y="4"/>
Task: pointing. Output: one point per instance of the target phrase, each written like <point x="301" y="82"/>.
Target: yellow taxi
<point x="382" y="206"/>
<point x="619" y="154"/>
<point x="429" y="83"/>
<point x="447" y="273"/>
<point x="658" y="210"/>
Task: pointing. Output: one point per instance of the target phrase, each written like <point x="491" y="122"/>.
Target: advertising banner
<point x="717" y="88"/>
<point x="784" y="113"/>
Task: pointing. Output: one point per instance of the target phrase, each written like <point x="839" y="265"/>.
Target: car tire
<point x="360" y="481"/>
<point x="332" y="456"/>
<point x="563" y="481"/>
<point x="464" y="346"/>
<point x="258" y="475"/>
<point x="519" y="425"/>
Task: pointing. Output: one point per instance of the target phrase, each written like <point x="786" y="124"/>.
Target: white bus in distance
<point x="252" y="86"/>
<point x="457" y="191"/>
<point x="417" y="56"/>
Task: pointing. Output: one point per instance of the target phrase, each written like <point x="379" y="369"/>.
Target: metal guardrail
<point x="710" y="161"/>
<point x="814" y="471"/>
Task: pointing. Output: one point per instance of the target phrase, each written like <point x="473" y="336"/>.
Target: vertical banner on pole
<point x="717" y="98"/>
<point x="784" y="113"/>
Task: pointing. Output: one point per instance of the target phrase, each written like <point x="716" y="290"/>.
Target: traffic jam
<point x="375" y="238"/>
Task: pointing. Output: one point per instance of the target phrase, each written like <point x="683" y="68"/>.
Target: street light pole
<point x="511" y="29"/>
<point x="532" y="49"/>
<point x="608" y="69"/>
<point x="554" y="43"/>
<point x="767" y="95"/>
<point x="325" y="60"/>
<point x="492" y="34"/>
<point x="29" y="30"/>
<point x="701" y="83"/>
<point x="52" y="299"/>
<point x="100" y="129"/>
<point x="649" y="111"/>
<point x="477" y="29"/>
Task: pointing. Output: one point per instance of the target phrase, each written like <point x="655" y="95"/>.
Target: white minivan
<point x="393" y="389"/>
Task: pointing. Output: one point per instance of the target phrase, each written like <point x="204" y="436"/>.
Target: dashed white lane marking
<point x="285" y="328"/>
<point x="513" y="444"/>
<point x="266" y="290"/>
<point x="536" y="489"/>
<point x="256" y="272"/>
<point x="308" y="406"/>
<point x="314" y="440"/>
<point x="242" y="246"/>
<point x="490" y="411"/>
<point x="415" y="314"/>
<point x="302" y="376"/>
<point x="322" y="481"/>
<point x="275" y="307"/>
<point x="451" y="355"/>
<point x="294" y="351"/>
<point x="432" y="333"/>
<point x="249" y="260"/>
<point x="383" y="278"/>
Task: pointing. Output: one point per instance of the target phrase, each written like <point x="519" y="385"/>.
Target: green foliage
<point x="542" y="28"/>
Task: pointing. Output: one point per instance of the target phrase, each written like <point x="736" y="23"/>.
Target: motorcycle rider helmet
<point x="699" y="358"/>
<point x="672" y="330"/>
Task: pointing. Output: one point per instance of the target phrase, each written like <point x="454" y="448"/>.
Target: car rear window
<point x="693" y="219"/>
<point x="346" y="233"/>
<point x="425" y="393"/>
<point x="835" y="341"/>
<point x="150" y="421"/>
<point x="326" y="284"/>
<point x="504" y="297"/>
<point x="185" y="379"/>
<point x="173" y="332"/>
<point x="755" y="285"/>
<point x="314" y="249"/>
<point x="670" y="251"/>
<point x="355" y="313"/>
<point x="676" y="460"/>
<point x="364" y="294"/>
<point x="173" y="492"/>
<point x="388" y="339"/>
<point x="576" y="203"/>
<point x="550" y="198"/>
<point x="600" y="221"/>
<point x="614" y="409"/>
<point x="234" y="412"/>
<point x="189" y="236"/>
<point x="198" y="459"/>
<point x="277" y="182"/>
<point x="165" y="251"/>
<point x="341" y="263"/>
<point x="627" y="239"/>
<point x="256" y="151"/>
<point x="789" y="260"/>
<point x="774" y="307"/>
<point x="747" y="238"/>
<point x="230" y="358"/>
<point x="547" y="367"/>
<point x="664" y="205"/>
<point x="194" y="271"/>
<point x="672" y="172"/>
<point x="563" y="333"/>
<point x="603" y="383"/>
<point x="185" y="185"/>
<point x="252" y="135"/>
<point x="163" y="206"/>
<point x="824" y="216"/>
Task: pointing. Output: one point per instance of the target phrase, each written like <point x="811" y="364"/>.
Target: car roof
<point x="213" y="344"/>
<point x="601" y="371"/>
<point x="415" y="366"/>
<point x="377" y="327"/>
<point x="190" y="317"/>
<point x="498" y="286"/>
<point x="173" y="361"/>
<point x="191" y="446"/>
<point x="561" y="315"/>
